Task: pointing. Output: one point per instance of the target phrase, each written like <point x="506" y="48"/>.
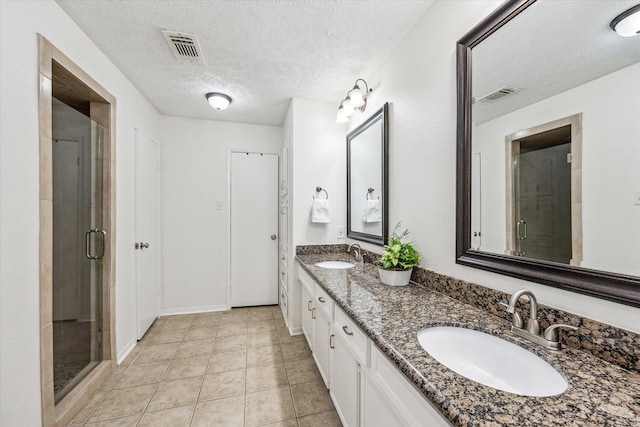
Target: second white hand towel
<point x="320" y="211"/>
<point x="372" y="211"/>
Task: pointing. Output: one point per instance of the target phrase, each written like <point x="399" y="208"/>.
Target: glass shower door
<point x="78" y="246"/>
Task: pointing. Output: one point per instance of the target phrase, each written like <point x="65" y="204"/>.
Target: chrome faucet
<point x="549" y="338"/>
<point x="357" y="250"/>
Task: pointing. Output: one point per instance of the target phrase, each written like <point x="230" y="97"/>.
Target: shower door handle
<point x="87" y="243"/>
<point x="519" y="235"/>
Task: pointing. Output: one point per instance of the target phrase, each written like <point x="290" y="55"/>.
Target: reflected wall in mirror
<point x="367" y="179"/>
<point x="548" y="153"/>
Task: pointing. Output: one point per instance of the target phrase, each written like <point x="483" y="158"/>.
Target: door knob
<point x="273" y="237"/>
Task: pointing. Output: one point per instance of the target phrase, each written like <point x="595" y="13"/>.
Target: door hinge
<point x="569" y="157"/>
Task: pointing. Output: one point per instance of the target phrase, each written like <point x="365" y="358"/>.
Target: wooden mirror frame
<point x="623" y="289"/>
<point x="383" y="115"/>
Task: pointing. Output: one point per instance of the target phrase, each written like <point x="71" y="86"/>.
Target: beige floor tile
<point x="223" y="384"/>
<point x="230" y="343"/>
<point x="264" y="355"/>
<point x="287" y="338"/>
<point x="266" y="377"/>
<point x="262" y="339"/>
<point x="165" y="337"/>
<point x="92" y="404"/>
<point x="123" y="402"/>
<point x="174" y="417"/>
<point x="129" y="421"/>
<point x="311" y="398"/>
<point x="194" y="348"/>
<point x="175" y="393"/>
<point x="147" y="373"/>
<point x="157" y="353"/>
<point x="113" y="380"/>
<point x="207" y="332"/>
<point x="323" y="419"/>
<point x="228" y="329"/>
<point x="171" y="323"/>
<point x="288" y="423"/>
<point x="206" y="321"/>
<point x="227" y="412"/>
<point x="302" y="371"/>
<point x="187" y="367"/>
<point x="262" y="326"/>
<point x="228" y="361"/>
<point x="295" y="350"/>
<point x="280" y="323"/>
<point x="260" y="314"/>
<point x="269" y="406"/>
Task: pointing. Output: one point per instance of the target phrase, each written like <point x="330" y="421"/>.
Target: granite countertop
<point x="599" y="393"/>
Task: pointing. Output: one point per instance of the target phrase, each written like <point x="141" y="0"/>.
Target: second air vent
<point x="500" y="93"/>
<point x="184" y="46"/>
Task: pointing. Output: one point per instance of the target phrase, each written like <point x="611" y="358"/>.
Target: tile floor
<point x="235" y="368"/>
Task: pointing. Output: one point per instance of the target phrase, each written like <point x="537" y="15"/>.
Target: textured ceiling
<point x="551" y="47"/>
<point x="261" y="53"/>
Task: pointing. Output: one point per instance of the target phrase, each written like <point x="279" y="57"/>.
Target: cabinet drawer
<point x="306" y="280"/>
<point x="323" y="301"/>
<point x="352" y="335"/>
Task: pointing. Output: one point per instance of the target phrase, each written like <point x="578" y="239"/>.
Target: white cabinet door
<point x="321" y="343"/>
<point x="307" y="316"/>
<point x="377" y="411"/>
<point x="345" y="382"/>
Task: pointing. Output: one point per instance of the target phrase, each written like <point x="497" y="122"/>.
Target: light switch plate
<point x="341" y="232"/>
<point x="219" y="205"/>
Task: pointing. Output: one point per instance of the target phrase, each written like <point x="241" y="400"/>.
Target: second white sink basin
<point x="335" y="264"/>
<point x="492" y="361"/>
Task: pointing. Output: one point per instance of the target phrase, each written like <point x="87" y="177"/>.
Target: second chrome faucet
<point x="531" y="330"/>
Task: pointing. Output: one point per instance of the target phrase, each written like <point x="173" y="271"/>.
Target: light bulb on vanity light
<point x="627" y="24"/>
<point x="218" y="101"/>
<point x="342" y="117"/>
<point x="356" y="97"/>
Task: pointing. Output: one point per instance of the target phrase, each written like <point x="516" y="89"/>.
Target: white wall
<point x="194" y="233"/>
<point x="418" y="80"/>
<point x="319" y="160"/>
<point x="610" y="162"/>
<point x="19" y="192"/>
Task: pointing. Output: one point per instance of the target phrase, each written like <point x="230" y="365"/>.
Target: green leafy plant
<point x="398" y="255"/>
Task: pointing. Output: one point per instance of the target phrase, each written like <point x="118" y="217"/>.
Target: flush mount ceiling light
<point x="218" y="101"/>
<point x="356" y="100"/>
<point x="627" y="24"/>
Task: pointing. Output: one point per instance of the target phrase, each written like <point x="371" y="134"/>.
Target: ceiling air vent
<point x="184" y="45"/>
<point x="498" y="94"/>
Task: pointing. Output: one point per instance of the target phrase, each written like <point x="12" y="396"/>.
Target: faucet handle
<point x="517" y="319"/>
<point x="551" y="333"/>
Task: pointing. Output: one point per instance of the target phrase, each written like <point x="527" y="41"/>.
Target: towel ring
<point x="369" y="191"/>
<point x="319" y="189"/>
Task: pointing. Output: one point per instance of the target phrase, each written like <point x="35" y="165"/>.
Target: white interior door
<point x="147" y="244"/>
<point x="254" y="229"/>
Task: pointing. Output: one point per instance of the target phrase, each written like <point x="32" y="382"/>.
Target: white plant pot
<point x="394" y="278"/>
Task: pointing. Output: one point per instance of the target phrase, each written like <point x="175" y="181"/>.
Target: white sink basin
<point x="335" y="264"/>
<point x="492" y="361"/>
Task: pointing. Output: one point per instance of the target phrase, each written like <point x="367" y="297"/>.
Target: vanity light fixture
<point x="627" y="24"/>
<point x="356" y="100"/>
<point x="218" y="101"/>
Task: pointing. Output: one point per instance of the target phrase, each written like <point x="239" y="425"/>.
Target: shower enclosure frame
<point x="102" y="110"/>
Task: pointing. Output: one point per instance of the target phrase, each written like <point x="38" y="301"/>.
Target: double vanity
<point x="397" y="357"/>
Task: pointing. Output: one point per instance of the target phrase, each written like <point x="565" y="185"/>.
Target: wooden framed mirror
<point x="367" y="179"/>
<point x="521" y="69"/>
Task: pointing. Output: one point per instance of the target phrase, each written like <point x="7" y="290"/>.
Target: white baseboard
<point x="193" y="310"/>
<point x="296" y="330"/>
<point x="126" y="350"/>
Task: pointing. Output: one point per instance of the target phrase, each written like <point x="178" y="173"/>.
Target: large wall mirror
<point x="367" y="179"/>
<point x="548" y="136"/>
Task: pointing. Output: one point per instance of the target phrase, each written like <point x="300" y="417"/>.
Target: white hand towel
<point x="372" y="211"/>
<point x="320" y="211"/>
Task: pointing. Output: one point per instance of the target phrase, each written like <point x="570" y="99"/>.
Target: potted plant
<point x="398" y="259"/>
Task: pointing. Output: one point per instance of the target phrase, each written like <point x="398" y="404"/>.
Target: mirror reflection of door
<point x="542" y="173"/>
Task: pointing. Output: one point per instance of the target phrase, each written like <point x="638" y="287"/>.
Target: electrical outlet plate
<point x="341" y="232"/>
<point x="636" y="197"/>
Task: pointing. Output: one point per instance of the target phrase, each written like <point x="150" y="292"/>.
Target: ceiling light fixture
<point x="627" y="24"/>
<point x="218" y="101"/>
<point x="356" y="100"/>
